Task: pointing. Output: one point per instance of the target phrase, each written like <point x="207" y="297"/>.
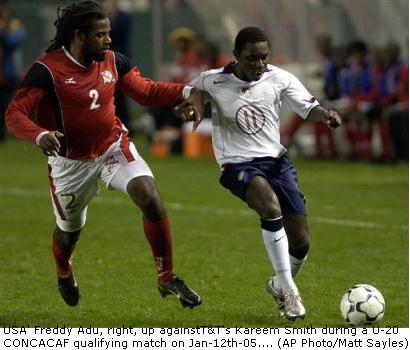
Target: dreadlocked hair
<point x="249" y="35"/>
<point x="78" y="16"/>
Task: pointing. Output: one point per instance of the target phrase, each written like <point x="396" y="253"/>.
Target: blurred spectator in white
<point x="12" y="34"/>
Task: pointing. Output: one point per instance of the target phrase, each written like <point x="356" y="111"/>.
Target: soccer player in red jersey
<point x="65" y="106"/>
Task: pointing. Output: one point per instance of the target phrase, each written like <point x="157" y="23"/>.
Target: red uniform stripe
<point x="125" y="149"/>
<point x="53" y="194"/>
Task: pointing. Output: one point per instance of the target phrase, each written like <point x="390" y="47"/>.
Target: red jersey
<point x="60" y="94"/>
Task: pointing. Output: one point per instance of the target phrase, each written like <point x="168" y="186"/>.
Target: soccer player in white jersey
<point x="246" y="96"/>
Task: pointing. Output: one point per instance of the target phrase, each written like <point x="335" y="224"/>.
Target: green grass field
<point x="358" y="222"/>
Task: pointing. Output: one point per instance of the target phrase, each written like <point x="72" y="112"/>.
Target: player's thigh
<point x="136" y="180"/>
<point x="125" y="165"/>
<point x="249" y="182"/>
<point x="72" y="186"/>
<point x="285" y="185"/>
<point x="261" y="197"/>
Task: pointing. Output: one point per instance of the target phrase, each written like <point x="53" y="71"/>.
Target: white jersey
<point x="245" y="118"/>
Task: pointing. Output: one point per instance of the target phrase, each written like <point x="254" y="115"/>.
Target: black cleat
<point x="69" y="289"/>
<point x="177" y="287"/>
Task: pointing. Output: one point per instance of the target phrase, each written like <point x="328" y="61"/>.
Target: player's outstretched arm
<point x="159" y="94"/>
<point x="327" y="116"/>
<point x="148" y="92"/>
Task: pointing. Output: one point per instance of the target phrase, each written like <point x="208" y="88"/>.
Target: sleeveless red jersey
<point x="60" y="94"/>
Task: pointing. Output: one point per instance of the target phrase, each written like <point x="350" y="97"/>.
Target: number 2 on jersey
<point x="94" y="95"/>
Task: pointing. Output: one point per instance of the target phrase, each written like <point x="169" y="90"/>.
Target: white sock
<point x="276" y="244"/>
<point x="296" y="264"/>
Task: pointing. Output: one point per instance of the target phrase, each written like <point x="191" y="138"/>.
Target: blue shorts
<point x="280" y="173"/>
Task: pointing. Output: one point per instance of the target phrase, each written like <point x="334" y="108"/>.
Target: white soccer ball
<point x="362" y="304"/>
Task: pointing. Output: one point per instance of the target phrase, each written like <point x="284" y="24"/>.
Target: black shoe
<point x="177" y="287"/>
<point x="69" y="289"/>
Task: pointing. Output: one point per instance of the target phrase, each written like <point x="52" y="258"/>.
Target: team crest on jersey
<point x="107" y="77"/>
<point x="241" y="175"/>
<point x="246" y="91"/>
<point x="250" y="119"/>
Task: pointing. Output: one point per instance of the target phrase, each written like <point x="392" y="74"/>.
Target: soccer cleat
<point x="69" y="289"/>
<point x="293" y="305"/>
<point x="277" y="296"/>
<point x="177" y="287"/>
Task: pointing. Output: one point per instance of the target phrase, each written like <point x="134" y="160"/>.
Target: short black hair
<point x="248" y="35"/>
<point x="78" y="16"/>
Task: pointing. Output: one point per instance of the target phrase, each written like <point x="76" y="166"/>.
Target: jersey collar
<point x="68" y="54"/>
<point x="228" y="69"/>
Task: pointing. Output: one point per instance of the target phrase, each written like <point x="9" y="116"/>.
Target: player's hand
<point x="333" y="119"/>
<point x="192" y="109"/>
<point x="50" y="144"/>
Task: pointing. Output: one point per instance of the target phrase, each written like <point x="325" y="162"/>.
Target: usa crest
<point x="250" y="119"/>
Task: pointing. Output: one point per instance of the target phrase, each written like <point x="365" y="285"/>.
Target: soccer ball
<point x="362" y="304"/>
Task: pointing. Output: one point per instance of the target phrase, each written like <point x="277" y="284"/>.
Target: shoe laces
<point x="292" y="297"/>
<point x="178" y="284"/>
<point x="280" y="301"/>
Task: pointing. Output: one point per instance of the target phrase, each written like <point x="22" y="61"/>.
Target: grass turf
<point x="359" y="231"/>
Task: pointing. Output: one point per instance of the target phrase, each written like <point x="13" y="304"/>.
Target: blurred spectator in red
<point x="192" y="55"/>
<point x="355" y="84"/>
<point x="324" y="144"/>
<point x="395" y="66"/>
<point x="12" y="34"/>
<point x="121" y="28"/>
<point x="382" y="95"/>
<point x="188" y="55"/>
<point x="214" y="58"/>
<point x="188" y="63"/>
<point x="387" y="70"/>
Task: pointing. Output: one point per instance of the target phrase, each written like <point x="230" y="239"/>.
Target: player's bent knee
<point x="65" y="239"/>
<point x="266" y="207"/>
<point x="143" y="192"/>
<point x="71" y="225"/>
<point x="261" y="198"/>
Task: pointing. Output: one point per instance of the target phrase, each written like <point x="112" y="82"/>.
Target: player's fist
<point x="192" y="108"/>
<point x="333" y="119"/>
<point x="50" y="144"/>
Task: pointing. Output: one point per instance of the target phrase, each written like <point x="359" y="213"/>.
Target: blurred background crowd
<point x="352" y="54"/>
